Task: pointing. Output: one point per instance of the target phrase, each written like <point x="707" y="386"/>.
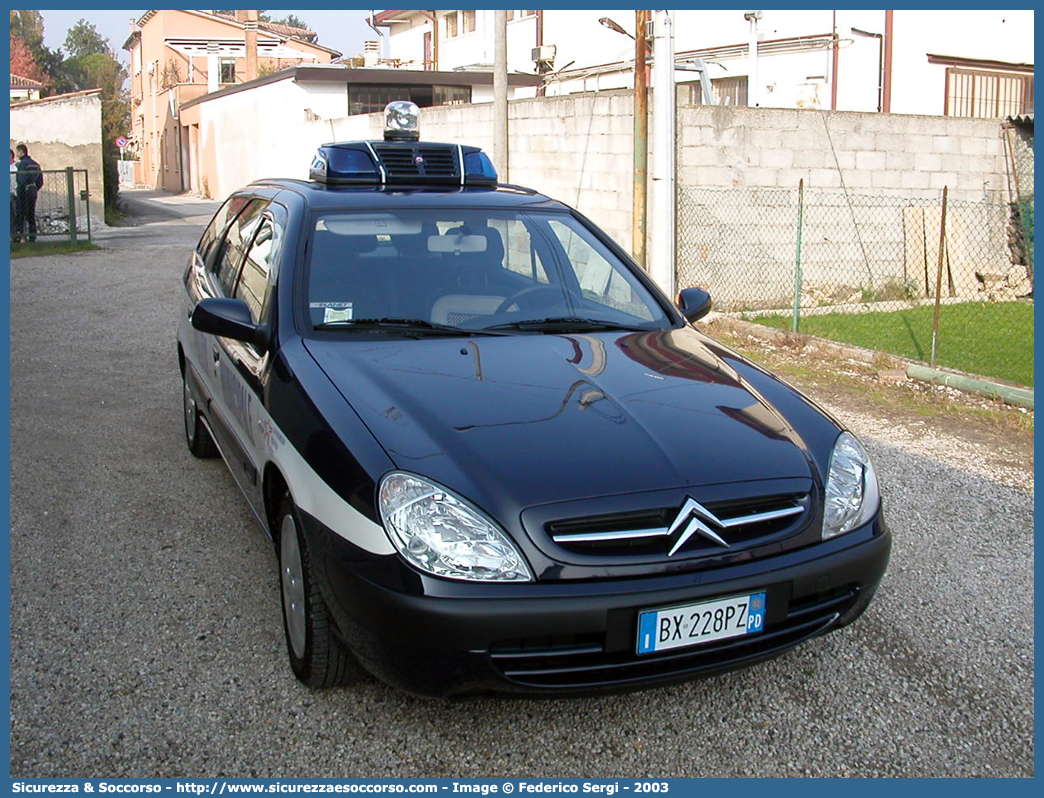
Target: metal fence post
<point x="70" y="193"/>
<point x="86" y="197"/>
<point x="797" y="267"/>
<point x="938" y="279"/>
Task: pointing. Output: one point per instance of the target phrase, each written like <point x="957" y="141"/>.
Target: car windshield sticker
<point x="336" y="311"/>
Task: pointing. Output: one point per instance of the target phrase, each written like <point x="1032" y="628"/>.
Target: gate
<point x="62" y="210"/>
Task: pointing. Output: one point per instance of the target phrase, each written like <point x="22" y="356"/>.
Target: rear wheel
<point x="196" y="435"/>
<point x="317" y="657"/>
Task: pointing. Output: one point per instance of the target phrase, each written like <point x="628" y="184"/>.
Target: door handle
<point x="216" y="353"/>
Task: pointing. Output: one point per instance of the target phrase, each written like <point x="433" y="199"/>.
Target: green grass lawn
<point x="991" y="339"/>
<point x="28" y="249"/>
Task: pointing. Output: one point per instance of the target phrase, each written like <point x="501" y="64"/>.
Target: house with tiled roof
<point x="24" y="88"/>
<point x="178" y="55"/>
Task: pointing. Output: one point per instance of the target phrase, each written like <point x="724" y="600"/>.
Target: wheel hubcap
<point x="293" y="585"/>
<point x="190" y="413"/>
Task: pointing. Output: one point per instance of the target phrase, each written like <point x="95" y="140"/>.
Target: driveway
<point x="145" y="615"/>
<point x="156" y="218"/>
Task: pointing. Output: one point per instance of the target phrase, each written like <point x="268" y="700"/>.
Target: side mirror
<point x="228" y="318"/>
<point x="694" y="303"/>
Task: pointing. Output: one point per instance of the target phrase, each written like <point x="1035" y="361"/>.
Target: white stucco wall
<point x="73" y="122"/>
<point x="408" y="42"/>
<point x="467" y="49"/>
<point x="274" y="113"/>
<point x="284" y="131"/>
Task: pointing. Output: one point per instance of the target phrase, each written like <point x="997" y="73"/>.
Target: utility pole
<point x="500" y="96"/>
<point x="662" y="249"/>
<point x="753" y="81"/>
<point x="641" y="139"/>
<point x="886" y="69"/>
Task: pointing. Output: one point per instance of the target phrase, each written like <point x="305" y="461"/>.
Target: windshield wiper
<point x="406" y="325"/>
<point x="565" y="323"/>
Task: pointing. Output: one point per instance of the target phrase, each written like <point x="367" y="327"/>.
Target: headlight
<point x="445" y="535"/>
<point x="851" y="488"/>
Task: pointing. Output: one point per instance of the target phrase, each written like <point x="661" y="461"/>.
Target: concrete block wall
<point x="578" y="149"/>
<point x="853" y="243"/>
<point x="868" y="153"/>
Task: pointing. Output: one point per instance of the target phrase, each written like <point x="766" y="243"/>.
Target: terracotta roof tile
<point x="18" y="82"/>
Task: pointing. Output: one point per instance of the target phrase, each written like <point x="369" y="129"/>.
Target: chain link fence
<point x="60" y="210"/>
<point x="867" y="270"/>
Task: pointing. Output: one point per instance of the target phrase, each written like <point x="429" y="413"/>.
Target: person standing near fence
<point x="30" y="181"/>
<point x="14" y="199"/>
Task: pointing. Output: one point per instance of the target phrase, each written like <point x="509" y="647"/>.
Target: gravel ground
<point x="145" y="622"/>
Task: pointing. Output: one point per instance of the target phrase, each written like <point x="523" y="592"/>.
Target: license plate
<point x="692" y="624"/>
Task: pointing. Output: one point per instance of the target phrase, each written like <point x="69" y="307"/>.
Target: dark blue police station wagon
<point x="492" y="456"/>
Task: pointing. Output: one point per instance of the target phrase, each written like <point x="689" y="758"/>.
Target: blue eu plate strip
<point x="647" y="633"/>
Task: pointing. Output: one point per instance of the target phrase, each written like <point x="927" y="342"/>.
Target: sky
<point x="341" y="30"/>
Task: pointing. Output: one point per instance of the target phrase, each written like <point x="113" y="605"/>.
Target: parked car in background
<point x="491" y="454"/>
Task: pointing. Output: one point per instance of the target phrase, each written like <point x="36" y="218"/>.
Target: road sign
<point x="121" y="142"/>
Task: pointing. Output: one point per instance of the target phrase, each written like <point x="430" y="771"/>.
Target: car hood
<point x="529" y="419"/>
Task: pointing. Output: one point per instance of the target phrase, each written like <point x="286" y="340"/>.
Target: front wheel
<point x="317" y="657"/>
<point x="196" y="435"/>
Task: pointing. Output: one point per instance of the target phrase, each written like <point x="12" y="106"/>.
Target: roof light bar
<point x="401" y="158"/>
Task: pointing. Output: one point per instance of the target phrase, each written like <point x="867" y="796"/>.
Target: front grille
<point x="584" y="663"/>
<point x="417" y="162"/>
<point x="656" y="532"/>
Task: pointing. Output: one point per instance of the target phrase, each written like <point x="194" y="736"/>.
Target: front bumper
<point x="439" y="638"/>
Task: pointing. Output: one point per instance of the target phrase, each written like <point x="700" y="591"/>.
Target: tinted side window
<point x="256" y="277"/>
<point x="601" y="277"/>
<point x="236" y="240"/>
<point x="217" y="225"/>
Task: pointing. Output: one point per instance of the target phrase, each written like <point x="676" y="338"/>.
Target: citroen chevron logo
<point x="694" y="517"/>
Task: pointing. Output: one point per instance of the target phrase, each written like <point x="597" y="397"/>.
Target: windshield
<point x="469" y="270"/>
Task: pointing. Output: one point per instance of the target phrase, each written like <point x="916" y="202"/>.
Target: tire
<point x="196" y="434"/>
<point x="317" y="657"/>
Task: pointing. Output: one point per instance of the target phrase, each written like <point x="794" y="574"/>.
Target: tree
<point x="92" y="64"/>
<point x="261" y="15"/>
<point x="293" y="21"/>
<point x="83" y="39"/>
<point x="28" y="26"/>
<point x="23" y="63"/>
